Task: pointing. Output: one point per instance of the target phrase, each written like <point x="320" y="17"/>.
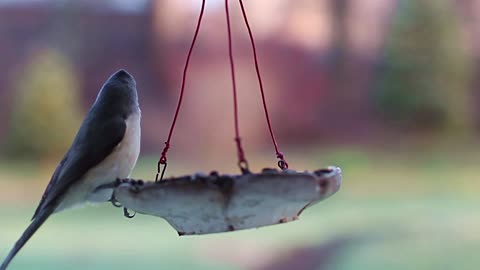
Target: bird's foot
<point x="115" y="202"/>
<point x="127" y="214"/>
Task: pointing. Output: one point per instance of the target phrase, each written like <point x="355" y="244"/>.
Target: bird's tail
<point x="32" y="228"/>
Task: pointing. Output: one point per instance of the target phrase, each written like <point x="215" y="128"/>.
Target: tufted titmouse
<point x="105" y="148"/>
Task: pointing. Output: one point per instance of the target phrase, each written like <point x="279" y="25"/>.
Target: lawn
<point x="408" y="210"/>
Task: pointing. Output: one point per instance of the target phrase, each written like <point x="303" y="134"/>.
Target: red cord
<point x="281" y="163"/>
<point x="242" y="162"/>
<point x="163" y="158"/>
<point x="241" y="155"/>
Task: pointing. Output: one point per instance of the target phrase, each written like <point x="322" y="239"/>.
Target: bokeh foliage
<point x="46" y="111"/>
<point x="426" y="73"/>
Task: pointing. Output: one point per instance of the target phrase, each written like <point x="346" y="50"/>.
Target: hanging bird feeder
<point x="203" y="204"/>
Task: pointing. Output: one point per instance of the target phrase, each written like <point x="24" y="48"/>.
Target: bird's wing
<point x="50" y="184"/>
<point x="94" y="142"/>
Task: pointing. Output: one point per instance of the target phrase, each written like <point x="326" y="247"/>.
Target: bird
<point x="105" y="148"/>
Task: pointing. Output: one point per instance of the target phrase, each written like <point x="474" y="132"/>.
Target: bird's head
<point x="118" y="94"/>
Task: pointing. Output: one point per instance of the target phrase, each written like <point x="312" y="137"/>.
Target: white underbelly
<point x="119" y="164"/>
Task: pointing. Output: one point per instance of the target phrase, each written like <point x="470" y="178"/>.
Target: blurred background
<point x="385" y="89"/>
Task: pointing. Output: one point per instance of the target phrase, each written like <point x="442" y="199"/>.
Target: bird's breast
<point x="119" y="164"/>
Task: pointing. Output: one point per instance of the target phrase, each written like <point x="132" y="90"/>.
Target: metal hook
<point x="243" y="165"/>
<point x="163" y="161"/>
<point x="282" y="164"/>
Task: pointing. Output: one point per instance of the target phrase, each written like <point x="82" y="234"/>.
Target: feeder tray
<point x="203" y="204"/>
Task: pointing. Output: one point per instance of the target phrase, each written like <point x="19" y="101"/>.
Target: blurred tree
<point x="46" y="108"/>
<point x="424" y="82"/>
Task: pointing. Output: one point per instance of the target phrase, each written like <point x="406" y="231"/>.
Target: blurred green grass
<point x="402" y="210"/>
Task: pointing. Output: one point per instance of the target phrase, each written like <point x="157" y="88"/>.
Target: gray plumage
<point x="106" y="147"/>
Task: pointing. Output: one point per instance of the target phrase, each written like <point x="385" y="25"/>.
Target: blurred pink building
<point x="317" y="60"/>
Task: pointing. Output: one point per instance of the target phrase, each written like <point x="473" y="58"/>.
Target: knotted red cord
<point x="242" y="161"/>
<point x="163" y="158"/>
<point x="281" y="163"/>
